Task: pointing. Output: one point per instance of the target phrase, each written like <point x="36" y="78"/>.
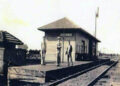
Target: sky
<point x="22" y="18"/>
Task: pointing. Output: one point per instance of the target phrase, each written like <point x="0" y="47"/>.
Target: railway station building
<point x="83" y="43"/>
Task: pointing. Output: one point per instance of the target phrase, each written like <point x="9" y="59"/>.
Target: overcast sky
<point x="23" y="17"/>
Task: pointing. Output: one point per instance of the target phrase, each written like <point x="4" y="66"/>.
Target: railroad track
<point x="60" y="82"/>
<point x="110" y="78"/>
<point x="101" y="74"/>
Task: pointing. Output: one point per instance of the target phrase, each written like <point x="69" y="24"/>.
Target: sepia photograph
<point x="59" y="43"/>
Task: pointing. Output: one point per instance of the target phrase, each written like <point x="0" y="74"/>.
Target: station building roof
<point x="9" y="38"/>
<point x="65" y="24"/>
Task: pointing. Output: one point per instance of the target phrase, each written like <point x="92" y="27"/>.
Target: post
<point x="63" y="51"/>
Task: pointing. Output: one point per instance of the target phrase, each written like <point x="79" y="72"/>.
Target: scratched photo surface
<point x="59" y="43"/>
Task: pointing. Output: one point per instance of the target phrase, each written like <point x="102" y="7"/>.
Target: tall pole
<point x="95" y="26"/>
<point x="96" y="16"/>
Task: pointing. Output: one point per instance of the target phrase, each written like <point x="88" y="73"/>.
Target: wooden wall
<point x="52" y="41"/>
<point x="1" y="60"/>
<point x="76" y="41"/>
<point x="79" y="39"/>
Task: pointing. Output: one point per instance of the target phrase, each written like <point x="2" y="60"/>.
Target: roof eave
<point x="49" y="29"/>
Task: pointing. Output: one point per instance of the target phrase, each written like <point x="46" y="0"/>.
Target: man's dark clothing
<point x="69" y="54"/>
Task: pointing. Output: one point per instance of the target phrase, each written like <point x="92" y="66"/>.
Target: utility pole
<point x="95" y="26"/>
<point x="96" y="16"/>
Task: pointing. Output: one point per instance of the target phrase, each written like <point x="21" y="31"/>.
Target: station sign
<point x="66" y="34"/>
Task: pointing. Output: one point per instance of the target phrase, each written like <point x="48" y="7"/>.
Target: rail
<point x="100" y="75"/>
<point x="76" y="74"/>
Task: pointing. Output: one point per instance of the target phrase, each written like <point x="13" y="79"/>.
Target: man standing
<point x="58" y="52"/>
<point x="69" y="53"/>
<point x="43" y="51"/>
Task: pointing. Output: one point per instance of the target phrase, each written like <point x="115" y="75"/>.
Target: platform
<point x="38" y="73"/>
<point x="48" y="73"/>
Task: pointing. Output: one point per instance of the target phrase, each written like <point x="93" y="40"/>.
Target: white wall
<point x="52" y="47"/>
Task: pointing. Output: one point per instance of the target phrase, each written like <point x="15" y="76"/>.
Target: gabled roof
<point x="9" y="38"/>
<point x="64" y="24"/>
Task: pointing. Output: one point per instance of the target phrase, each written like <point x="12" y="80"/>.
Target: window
<point x="83" y="47"/>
